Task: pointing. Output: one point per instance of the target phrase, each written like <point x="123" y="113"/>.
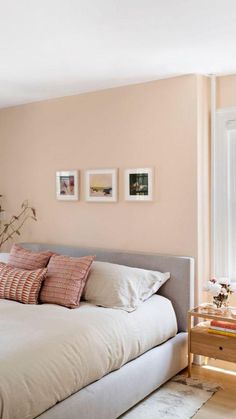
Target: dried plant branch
<point x="16" y="222"/>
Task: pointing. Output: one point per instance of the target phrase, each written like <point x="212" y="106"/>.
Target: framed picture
<point x="101" y="185"/>
<point x="67" y="185"/>
<point x="138" y="184"/>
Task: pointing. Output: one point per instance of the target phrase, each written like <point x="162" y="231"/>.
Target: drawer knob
<point x="221" y="348"/>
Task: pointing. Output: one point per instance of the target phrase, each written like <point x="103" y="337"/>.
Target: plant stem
<point x="16" y="223"/>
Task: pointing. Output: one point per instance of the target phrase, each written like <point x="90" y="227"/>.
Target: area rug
<point x="179" y="398"/>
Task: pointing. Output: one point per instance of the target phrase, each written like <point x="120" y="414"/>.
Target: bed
<point x="126" y="361"/>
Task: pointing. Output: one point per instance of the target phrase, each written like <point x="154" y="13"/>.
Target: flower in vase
<point x="215" y="289"/>
<point x="224" y="281"/>
<point x="220" y="288"/>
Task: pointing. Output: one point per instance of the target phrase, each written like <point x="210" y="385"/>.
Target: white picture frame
<point x="138" y="184"/>
<point x="67" y="185"/>
<point x="101" y="185"/>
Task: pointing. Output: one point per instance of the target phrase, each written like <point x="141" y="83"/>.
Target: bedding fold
<point x="48" y="352"/>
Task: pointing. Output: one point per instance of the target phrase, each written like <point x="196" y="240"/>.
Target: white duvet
<point x="48" y="352"/>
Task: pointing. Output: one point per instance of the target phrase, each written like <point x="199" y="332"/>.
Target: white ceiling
<point x="52" y="48"/>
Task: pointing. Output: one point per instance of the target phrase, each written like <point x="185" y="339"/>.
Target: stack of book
<point x="222" y="328"/>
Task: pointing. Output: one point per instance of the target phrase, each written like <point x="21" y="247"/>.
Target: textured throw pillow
<point x="26" y="259"/>
<point x="20" y="285"/>
<point x="65" y="280"/>
<point x="118" y="286"/>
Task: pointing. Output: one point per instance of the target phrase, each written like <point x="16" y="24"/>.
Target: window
<point x="224" y="195"/>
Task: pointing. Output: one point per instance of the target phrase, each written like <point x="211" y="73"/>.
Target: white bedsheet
<point x="48" y="352"/>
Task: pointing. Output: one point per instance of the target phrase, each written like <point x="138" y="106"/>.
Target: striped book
<point x="222" y="328"/>
<point x="223" y="325"/>
<point x="220" y="332"/>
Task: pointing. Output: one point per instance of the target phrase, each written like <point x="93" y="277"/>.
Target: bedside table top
<point x="205" y="313"/>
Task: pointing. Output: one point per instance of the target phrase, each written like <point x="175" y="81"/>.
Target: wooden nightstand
<point x="201" y="342"/>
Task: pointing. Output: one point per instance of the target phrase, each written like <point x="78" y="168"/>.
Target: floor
<point x="222" y="405"/>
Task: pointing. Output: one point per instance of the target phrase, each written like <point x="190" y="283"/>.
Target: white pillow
<point x="4" y="257"/>
<point x="118" y="286"/>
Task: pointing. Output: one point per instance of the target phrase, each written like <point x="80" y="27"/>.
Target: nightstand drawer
<point x="213" y="346"/>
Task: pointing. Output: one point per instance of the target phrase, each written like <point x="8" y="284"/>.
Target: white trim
<point x="223" y="157"/>
<point x="203" y="187"/>
<point x="226" y="110"/>
<point x="213" y="132"/>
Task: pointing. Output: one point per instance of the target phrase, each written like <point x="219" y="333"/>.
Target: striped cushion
<point x="65" y="280"/>
<point x="26" y="259"/>
<point x="20" y="285"/>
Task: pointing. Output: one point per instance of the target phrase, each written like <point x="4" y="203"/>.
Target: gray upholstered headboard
<point x="179" y="289"/>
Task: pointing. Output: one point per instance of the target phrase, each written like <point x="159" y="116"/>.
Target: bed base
<point x="114" y="394"/>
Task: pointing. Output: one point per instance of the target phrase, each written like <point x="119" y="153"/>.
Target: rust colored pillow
<point x="26" y="259"/>
<point x="20" y="285"/>
<point x="65" y="280"/>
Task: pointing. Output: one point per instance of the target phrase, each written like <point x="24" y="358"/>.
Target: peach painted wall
<point x="151" y="124"/>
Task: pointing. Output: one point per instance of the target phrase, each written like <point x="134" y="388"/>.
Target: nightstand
<point x="201" y="342"/>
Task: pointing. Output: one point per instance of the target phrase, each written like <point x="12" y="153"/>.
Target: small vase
<point x="221" y="302"/>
